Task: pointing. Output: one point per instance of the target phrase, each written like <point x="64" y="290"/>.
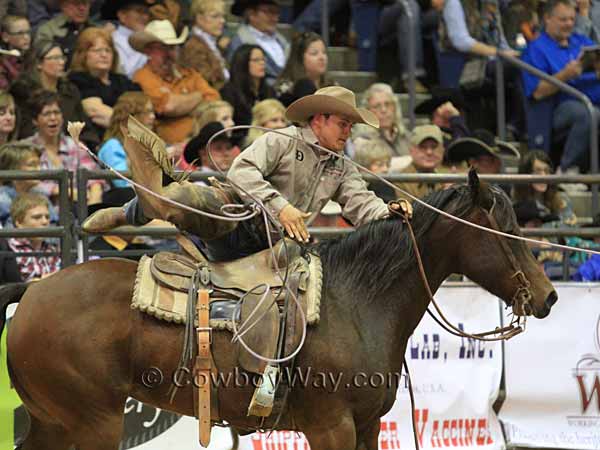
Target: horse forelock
<point x="372" y="258"/>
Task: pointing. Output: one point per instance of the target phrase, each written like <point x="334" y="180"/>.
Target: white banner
<point x="455" y="383"/>
<point x="553" y="375"/>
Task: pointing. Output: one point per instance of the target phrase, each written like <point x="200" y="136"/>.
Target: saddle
<point x="165" y="284"/>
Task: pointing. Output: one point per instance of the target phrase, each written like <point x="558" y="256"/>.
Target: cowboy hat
<point x="157" y="31"/>
<point x="239" y="6"/>
<point x="481" y="143"/>
<point x="191" y="152"/>
<point x="110" y="8"/>
<point x="330" y="100"/>
<point x="439" y="96"/>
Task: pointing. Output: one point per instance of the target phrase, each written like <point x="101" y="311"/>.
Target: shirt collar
<point x="122" y="29"/>
<point x="204" y="35"/>
<point x="309" y="136"/>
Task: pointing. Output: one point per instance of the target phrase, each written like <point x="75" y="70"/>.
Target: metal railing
<point x="64" y="230"/>
<point x="563" y="87"/>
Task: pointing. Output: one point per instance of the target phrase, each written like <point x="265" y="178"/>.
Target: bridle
<point x="521" y="297"/>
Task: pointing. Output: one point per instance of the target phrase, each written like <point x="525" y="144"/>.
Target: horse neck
<point x="409" y="299"/>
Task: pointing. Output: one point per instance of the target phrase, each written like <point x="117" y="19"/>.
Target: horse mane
<point x="376" y="254"/>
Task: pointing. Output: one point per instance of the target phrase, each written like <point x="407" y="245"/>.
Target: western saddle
<point x="174" y="286"/>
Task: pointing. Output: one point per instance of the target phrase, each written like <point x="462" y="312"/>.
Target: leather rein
<point x="521" y="297"/>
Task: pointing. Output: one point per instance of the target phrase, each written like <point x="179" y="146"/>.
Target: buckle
<point x="206" y="330"/>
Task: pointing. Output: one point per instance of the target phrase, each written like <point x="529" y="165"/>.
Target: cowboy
<point x="293" y="179"/>
<point x="176" y="92"/>
<point x="427" y="153"/>
<point x="132" y="16"/>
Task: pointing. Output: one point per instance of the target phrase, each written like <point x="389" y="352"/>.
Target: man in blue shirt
<point x="558" y="52"/>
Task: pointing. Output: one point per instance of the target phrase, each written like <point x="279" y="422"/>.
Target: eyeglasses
<point x="215" y="16"/>
<point x="20" y="32"/>
<point x="258" y="60"/>
<point x="106" y="50"/>
<point x="52" y="112"/>
<point x="55" y="58"/>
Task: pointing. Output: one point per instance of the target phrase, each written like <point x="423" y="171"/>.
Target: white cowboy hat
<point x="157" y="31"/>
<point x="330" y="100"/>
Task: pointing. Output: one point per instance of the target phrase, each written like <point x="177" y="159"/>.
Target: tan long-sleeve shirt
<point x="281" y="171"/>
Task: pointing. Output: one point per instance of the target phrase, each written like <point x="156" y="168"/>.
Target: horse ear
<point x="480" y="191"/>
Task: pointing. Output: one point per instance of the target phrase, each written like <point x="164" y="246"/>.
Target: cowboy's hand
<point x="404" y="206"/>
<point x="292" y="220"/>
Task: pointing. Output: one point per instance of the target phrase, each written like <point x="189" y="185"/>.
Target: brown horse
<point x="76" y="350"/>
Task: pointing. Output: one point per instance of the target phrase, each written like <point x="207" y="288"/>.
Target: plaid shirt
<point x="72" y="158"/>
<point x="31" y="267"/>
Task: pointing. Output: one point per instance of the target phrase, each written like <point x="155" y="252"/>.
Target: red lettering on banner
<point x="421" y="416"/>
<point x="279" y="440"/>
<point x="460" y="433"/>
<point x="594" y="391"/>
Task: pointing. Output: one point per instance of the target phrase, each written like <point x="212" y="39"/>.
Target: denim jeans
<point x="572" y="116"/>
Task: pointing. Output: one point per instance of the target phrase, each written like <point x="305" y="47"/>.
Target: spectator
<point x="9" y="271"/>
<point x="260" y="29"/>
<point x="222" y="150"/>
<point x="19" y="156"/>
<point x="59" y="150"/>
<point x="13" y="7"/>
<point x="16" y="35"/>
<point x="483" y="152"/>
<point x="583" y="21"/>
<point x="444" y="109"/>
<point x="136" y="104"/>
<point x="248" y="84"/>
<point x="379" y="98"/>
<point x="377" y="159"/>
<point x="201" y="51"/>
<point x="427" y="153"/>
<point x="217" y="111"/>
<point x="8" y="118"/>
<point x="176" y="92"/>
<point x="31" y="211"/>
<point x="556" y="52"/>
<point x="132" y="16"/>
<point x="268" y="113"/>
<point x="66" y="26"/>
<point x="93" y="71"/>
<point x="46" y="71"/>
<point x="306" y="68"/>
<point x="167" y="10"/>
<point x="548" y="197"/>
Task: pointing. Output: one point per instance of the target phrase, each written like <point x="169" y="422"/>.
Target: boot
<point x="104" y="220"/>
<point x="148" y="159"/>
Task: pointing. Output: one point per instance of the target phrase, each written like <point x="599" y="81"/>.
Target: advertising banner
<point x="553" y="375"/>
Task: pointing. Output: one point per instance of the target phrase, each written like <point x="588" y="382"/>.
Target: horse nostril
<point x="552" y="299"/>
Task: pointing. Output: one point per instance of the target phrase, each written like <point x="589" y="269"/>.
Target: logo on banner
<point x="144" y="422"/>
<point x="587" y="379"/>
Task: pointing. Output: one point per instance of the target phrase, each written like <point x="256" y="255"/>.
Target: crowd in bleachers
<point x="187" y="71"/>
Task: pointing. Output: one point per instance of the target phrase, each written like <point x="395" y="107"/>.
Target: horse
<point x="77" y="351"/>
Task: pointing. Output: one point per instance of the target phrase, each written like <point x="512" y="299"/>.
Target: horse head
<point x="505" y="267"/>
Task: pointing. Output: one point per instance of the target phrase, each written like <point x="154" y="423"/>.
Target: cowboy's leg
<point x="204" y="198"/>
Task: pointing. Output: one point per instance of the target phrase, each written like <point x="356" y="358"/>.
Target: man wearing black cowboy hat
<point x="222" y="150"/>
<point x="133" y="16"/>
<point x="260" y="28"/>
<point x="444" y="108"/>
<point x="291" y="178"/>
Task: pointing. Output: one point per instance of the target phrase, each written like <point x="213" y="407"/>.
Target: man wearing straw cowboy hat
<point x="293" y="179"/>
<point x="175" y="91"/>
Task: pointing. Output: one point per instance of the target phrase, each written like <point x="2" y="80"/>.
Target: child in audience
<point x="19" y="156"/>
<point x="377" y="158"/>
<point x="8" y="118"/>
<point x="31" y="211"/>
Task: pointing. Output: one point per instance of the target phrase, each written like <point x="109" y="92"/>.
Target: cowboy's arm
<point x="251" y="168"/>
<point x="359" y="205"/>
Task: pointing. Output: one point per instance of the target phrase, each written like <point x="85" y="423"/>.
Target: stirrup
<point x="261" y="404"/>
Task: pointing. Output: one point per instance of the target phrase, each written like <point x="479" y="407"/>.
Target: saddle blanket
<point x="157" y="300"/>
